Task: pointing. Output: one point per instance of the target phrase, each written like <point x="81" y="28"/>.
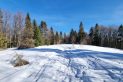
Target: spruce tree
<point x="61" y="38"/>
<point x="45" y="33"/>
<point x="57" y="38"/>
<point x="91" y="33"/>
<point x="51" y="36"/>
<point x="72" y="37"/>
<point x="75" y="35"/>
<point x="65" y="38"/>
<point x="1" y="20"/>
<point x="81" y="33"/>
<point x="28" y="33"/>
<point x="43" y="28"/>
<point x="120" y="37"/>
<point x="37" y="34"/>
<point x="96" y="36"/>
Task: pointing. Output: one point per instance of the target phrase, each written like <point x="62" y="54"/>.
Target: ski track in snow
<point x="64" y="63"/>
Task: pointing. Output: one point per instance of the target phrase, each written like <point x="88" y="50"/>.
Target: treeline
<point x="19" y="31"/>
<point x="98" y="35"/>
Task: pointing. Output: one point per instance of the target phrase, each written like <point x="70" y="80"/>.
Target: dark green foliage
<point x="120" y="37"/>
<point x="52" y="36"/>
<point x="66" y="39"/>
<point x="45" y="33"/>
<point x="1" y="20"/>
<point x="56" y="38"/>
<point x="28" y="33"/>
<point x="73" y="36"/>
<point x="28" y="30"/>
<point x="43" y="28"/>
<point x="91" y="33"/>
<point x="31" y="35"/>
<point x="81" y="33"/>
<point x="61" y="38"/>
<point x="37" y="34"/>
<point x="37" y="37"/>
<point x="105" y="41"/>
<point x="96" y="37"/>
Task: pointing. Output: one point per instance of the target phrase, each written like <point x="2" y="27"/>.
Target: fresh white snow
<point x="63" y="63"/>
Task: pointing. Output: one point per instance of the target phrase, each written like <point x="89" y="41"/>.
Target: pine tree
<point x="61" y="38"/>
<point x="96" y="36"/>
<point x="81" y="33"/>
<point x="114" y="36"/>
<point x="120" y="37"/>
<point x="105" y="41"/>
<point x="72" y="37"/>
<point x="37" y="34"/>
<point x="91" y="33"/>
<point x="57" y="38"/>
<point x="76" y="36"/>
<point x="1" y="20"/>
<point x="43" y="28"/>
<point x="45" y="33"/>
<point x="28" y="33"/>
<point x="52" y="36"/>
<point x="65" y="38"/>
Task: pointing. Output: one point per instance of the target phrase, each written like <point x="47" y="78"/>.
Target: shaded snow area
<point x="63" y="63"/>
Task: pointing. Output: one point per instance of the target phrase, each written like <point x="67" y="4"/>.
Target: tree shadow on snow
<point x="78" y="53"/>
<point x="82" y="53"/>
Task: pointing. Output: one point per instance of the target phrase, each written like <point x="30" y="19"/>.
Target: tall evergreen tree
<point x="28" y="33"/>
<point x="57" y="38"/>
<point x="1" y="20"/>
<point x="76" y="37"/>
<point x="45" y="32"/>
<point x="96" y="37"/>
<point x="120" y="37"/>
<point x="51" y="36"/>
<point x="65" y="40"/>
<point x="81" y="33"/>
<point x="72" y="37"/>
<point x="61" y="37"/>
<point x="37" y="34"/>
<point x="91" y="33"/>
<point x="43" y="27"/>
<point x="105" y="41"/>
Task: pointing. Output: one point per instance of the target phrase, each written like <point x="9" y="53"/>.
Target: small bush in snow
<point x="18" y="61"/>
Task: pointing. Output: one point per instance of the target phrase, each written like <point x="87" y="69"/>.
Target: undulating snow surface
<point x="63" y="63"/>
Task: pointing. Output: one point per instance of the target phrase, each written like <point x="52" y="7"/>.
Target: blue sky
<point x="63" y="15"/>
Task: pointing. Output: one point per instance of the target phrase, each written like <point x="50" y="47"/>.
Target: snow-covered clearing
<point x="63" y="63"/>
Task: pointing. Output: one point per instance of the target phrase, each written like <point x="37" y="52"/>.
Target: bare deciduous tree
<point x="18" y="24"/>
